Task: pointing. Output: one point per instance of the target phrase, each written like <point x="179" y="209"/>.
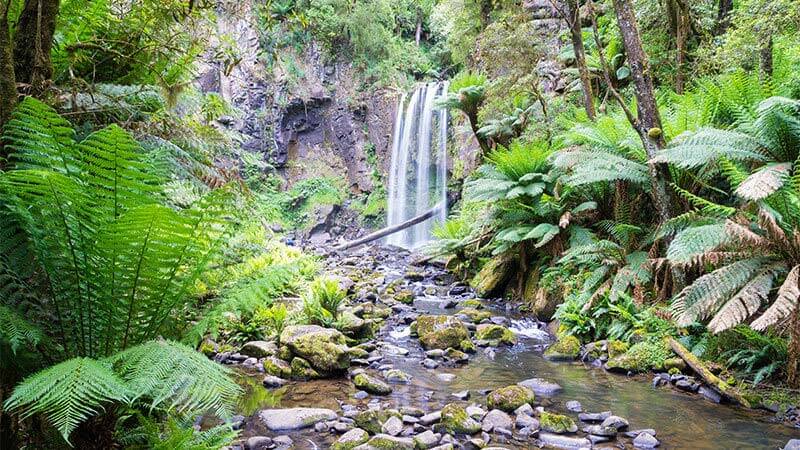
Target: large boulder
<point x="259" y="349"/>
<point x="456" y="420"/>
<point x="492" y="279"/>
<point x="294" y="418"/>
<point x="277" y="367"/>
<point x="441" y="332"/>
<point x="543" y="302"/>
<point x="324" y="348"/>
<point x="640" y="358"/>
<point x="510" y="398"/>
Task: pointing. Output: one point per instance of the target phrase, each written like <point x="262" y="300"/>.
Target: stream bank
<point x="421" y="384"/>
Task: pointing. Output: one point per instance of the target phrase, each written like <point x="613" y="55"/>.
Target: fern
<point x="694" y="241"/>
<point x="173" y="376"/>
<point x="709" y="145"/>
<point x="68" y="393"/>
<point x="17" y="331"/>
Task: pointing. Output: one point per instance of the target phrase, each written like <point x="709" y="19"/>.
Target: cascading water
<point x="418" y="174"/>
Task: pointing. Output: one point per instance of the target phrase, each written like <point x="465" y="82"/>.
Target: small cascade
<point x="418" y="173"/>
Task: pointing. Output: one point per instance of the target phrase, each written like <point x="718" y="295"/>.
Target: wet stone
<point x="461" y="395"/>
<point x="615" y="421"/>
<point x="393" y="426"/>
<point x="645" y="440"/>
<point x="594" y="417"/>
<point x="258" y="443"/>
<point x="574" y="406"/>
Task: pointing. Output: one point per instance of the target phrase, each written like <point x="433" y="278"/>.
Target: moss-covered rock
<point x="324" y="348"/>
<point x="456" y="420"/>
<point x="405" y="296"/>
<point x="259" y="349"/>
<point x="302" y="369"/>
<point x="353" y="326"/>
<point x="277" y="367"/>
<point x="616" y="348"/>
<point x="387" y="442"/>
<point x="371" y="420"/>
<point x="356" y="352"/>
<point x="510" y="398"/>
<point x="494" y="275"/>
<point x="474" y="315"/>
<point x="471" y="303"/>
<point x="675" y="364"/>
<point x="396" y="376"/>
<point x="351" y="440"/>
<point x="468" y="346"/>
<point x="440" y="331"/>
<point x="371" y="384"/>
<point x="209" y="348"/>
<point x="556" y="423"/>
<point x="494" y="334"/>
<point x="455" y="355"/>
<point x="567" y="348"/>
<point x="641" y="357"/>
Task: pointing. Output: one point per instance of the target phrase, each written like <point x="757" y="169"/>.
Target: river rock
<point x="645" y="440"/>
<point x="386" y="442"/>
<point x="567" y="348"/>
<point x="573" y="406"/>
<point x="371" y="384"/>
<point x="323" y="348"/>
<point x="431" y="418"/>
<point x="393" y="426"/>
<point x="510" y="398"/>
<point x="793" y="444"/>
<point x="441" y="332"/>
<point x="615" y="421"/>
<point x="455" y="419"/>
<point x="496" y="419"/>
<point x="271" y="381"/>
<point x="540" y="386"/>
<point x="599" y="430"/>
<point x="258" y="443"/>
<point x="474" y="315"/>
<point x="351" y="439"/>
<point x="559" y="441"/>
<point x="277" y="367"/>
<point x="526" y="421"/>
<point x="259" y="349"/>
<point x="494" y="275"/>
<point x="294" y="418"/>
<point x="556" y="423"/>
<point x="475" y="411"/>
<point x="282" y="442"/>
<point x="372" y="420"/>
<point x="494" y="334"/>
<point x="526" y="409"/>
<point x="302" y="369"/>
<point x="427" y="439"/>
<point x="397" y="376"/>
<point x="594" y="417"/>
<point x="634" y="433"/>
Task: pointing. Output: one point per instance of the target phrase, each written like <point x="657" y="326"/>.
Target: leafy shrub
<point x="321" y="302"/>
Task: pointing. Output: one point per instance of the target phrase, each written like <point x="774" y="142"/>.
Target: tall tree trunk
<point x="33" y="42"/>
<point x="418" y="33"/>
<point x="765" y="58"/>
<point x="723" y="17"/>
<point x="572" y="15"/>
<point x="648" y="120"/>
<point x="8" y="83"/>
<point x="682" y="29"/>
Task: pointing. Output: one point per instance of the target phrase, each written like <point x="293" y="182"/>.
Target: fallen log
<point x="390" y="230"/>
<point x="723" y="388"/>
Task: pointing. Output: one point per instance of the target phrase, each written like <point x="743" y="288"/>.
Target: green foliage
<point x="174" y="434"/>
<point x="321" y="302"/>
<point x="753" y="354"/>
<point x="18" y="332"/>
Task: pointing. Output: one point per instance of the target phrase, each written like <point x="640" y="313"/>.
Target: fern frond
<point x="39" y="138"/>
<point x="17" y="331"/>
<point x="708" y="145"/>
<point x="695" y="241"/>
<point x="744" y="303"/>
<point x="587" y="167"/>
<point x="784" y="305"/>
<point x="174" y="376"/>
<point x="68" y="393"/>
<point x="764" y="182"/>
<point x="707" y="207"/>
<point x="700" y="299"/>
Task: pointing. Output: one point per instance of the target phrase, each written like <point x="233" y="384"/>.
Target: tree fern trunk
<point x="793" y="362"/>
<point x="33" y="42"/>
<point x="8" y="83"/>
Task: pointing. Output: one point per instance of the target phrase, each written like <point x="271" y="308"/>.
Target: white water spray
<point x="418" y="174"/>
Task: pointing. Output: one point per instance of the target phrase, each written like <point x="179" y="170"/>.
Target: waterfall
<point x="418" y="172"/>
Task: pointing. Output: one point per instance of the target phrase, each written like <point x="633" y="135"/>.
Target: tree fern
<point x="68" y="393"/>
<point x="785" y="304"/>
<point x="708" y="145"/>
<point x="744" y="303"/>
<point x="694" y="241"/>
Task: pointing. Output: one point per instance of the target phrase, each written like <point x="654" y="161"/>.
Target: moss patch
<point x="567" y="348"/>
<point x="641" y="357"/>
<point x="510" y="398"/>
<point x="557" y="423"/>
<point x="456" y="420"/>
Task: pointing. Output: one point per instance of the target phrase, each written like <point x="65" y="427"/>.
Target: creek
<point x="681" y="420"/>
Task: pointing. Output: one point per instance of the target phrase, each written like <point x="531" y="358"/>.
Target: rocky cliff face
<point x="310" y="121"/>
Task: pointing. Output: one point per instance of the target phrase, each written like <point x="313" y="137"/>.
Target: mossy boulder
<point x="556" y="423"/>
<point x="440" y="331"/>
<point x="277" y="367"/>
<point x="494" y="334"/>
<point x="641" y="357"/>
<point x="543" y="303"/>
<point x="325" y="349"/>
<point x="473" y="303"/>
<point x="456" y="420"/>
<point x="387" y="442"/>
<point x="396" y="376"/>
<point x="675" y="363"/>
<point x="405" y="296"/>
<point x="259" y="349"/>
<point x="351" y="440"/>
<point x="302" y="369"/>
<point x="455" y="355"/>
<point x="567" y="348"/>
<point x="494" y="275"/>
<point x="354" y="326"/>
<point x="357" y="352"/>
<point x="616" y="348"/>
<point x="474" y="315"/>
<point x="468" y="346"/>
<point x="371" y="420"/>
<point x="371" y="384"/>
<point x="510" y="398"/>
